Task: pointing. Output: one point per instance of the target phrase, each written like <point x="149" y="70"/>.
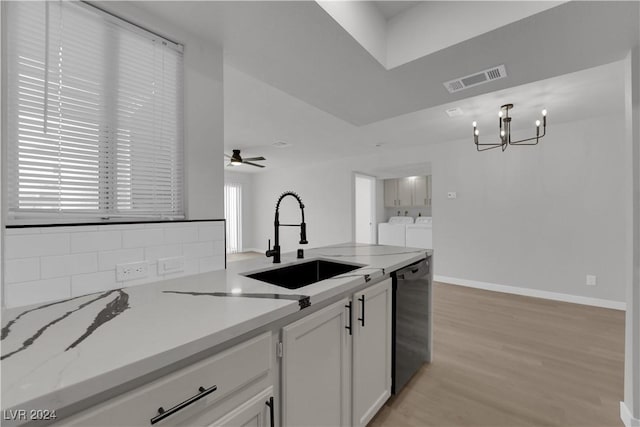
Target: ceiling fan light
<point x="235" y="162"/>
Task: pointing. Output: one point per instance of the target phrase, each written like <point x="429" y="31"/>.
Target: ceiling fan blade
<point x="251" y="159"/>
<point x="252" y="164"/>
<point x="226" y="155"/>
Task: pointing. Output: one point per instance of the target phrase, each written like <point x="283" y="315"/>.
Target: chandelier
<point x="505" y="131"/>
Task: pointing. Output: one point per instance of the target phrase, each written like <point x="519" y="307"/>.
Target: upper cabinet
<point x="411" y="191"/>
<point x="422" y="191"/>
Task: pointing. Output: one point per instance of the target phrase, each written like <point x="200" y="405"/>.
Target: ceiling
<point x="294" y="74"/>
<point x="257" y="115"/>
<point x="390" y="9"/>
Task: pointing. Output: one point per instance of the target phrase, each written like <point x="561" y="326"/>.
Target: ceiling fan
<point x="235" y="159"/>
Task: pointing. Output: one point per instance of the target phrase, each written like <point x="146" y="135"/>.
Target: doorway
<point x="364" y="211"/>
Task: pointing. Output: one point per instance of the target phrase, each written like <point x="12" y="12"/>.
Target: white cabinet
<point x="336" y="366"/>
<point x="390" y="193"/>
<point x="422" y="191"/>
<point x="371" y="351"/>
<point x="405" y="192"/>
<point x="316" y="369"/>
<point x="256" y="412"/>
<point x="193" y="396"/>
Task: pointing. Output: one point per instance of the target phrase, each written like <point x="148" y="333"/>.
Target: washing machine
<point x="394" y="232"/>
<point x="420" y="233"/>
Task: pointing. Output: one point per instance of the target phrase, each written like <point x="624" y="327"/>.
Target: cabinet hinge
<point x="280" y="350"/>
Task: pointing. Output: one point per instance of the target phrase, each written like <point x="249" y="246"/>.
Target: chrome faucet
<point x="275" y="252"/>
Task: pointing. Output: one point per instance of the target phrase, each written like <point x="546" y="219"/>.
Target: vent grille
<point x="493" y="73"/>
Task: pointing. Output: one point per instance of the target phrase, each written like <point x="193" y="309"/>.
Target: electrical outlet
<point x="591" y="280"/>
<point x="452" y="195"/>
<point x="170" y="265"/>
<point x="131" y="271"/>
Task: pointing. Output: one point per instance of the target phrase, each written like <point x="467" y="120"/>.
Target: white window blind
<point x="233" y="216"/>
<point x="94" y="115"/>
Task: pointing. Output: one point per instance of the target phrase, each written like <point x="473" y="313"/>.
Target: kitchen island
<point x="70" y="355"/>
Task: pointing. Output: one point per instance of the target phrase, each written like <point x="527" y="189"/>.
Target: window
<point x="233" y="216"/>
<point x="94" y="117"/>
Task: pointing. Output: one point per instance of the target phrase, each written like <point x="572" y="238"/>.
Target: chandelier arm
<point x="489" y="148"/>
<point x="544" y="132"/>
<point x="525" y="140"/>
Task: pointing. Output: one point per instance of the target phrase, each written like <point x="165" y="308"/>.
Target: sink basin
<point x="298" y="275"/>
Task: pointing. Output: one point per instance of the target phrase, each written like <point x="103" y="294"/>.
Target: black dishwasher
<point x="411" y="331"/>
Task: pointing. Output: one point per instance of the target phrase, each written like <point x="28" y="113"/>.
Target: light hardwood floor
<point x="508" y="360"/>
<point x="243" y="255"/>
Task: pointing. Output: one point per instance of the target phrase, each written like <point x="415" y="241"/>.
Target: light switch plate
<point x="170" y="265"/>
<point x="591" y="280"/>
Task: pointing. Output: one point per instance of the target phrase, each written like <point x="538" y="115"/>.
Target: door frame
<point x="374" y="181"/>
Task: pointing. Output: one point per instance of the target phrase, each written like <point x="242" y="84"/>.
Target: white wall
<point x="246" y="180"/>
<point x="630" y="409"/>
<point x="532" y="217"/>
<point x="326" y="190"/>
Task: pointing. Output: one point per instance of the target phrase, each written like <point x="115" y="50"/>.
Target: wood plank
<point x="510" y="360"/>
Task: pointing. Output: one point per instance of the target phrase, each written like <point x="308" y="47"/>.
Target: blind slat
<point x="94" y="116"/>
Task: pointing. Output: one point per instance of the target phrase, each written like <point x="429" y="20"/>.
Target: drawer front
<point x="185" y="393"/>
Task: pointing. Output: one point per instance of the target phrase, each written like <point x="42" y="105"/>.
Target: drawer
<point x="184" y="393"/>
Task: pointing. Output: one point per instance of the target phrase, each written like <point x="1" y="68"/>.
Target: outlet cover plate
<point x="132" y="271"/>
<point x="452" y="195"/>
<point x="591" y="280"/>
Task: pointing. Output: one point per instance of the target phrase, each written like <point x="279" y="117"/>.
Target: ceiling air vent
<point x="476" y="79"/>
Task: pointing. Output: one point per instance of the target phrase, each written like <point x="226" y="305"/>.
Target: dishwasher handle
<point x="414" y="271"/>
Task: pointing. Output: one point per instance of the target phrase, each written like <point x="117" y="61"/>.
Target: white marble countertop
<point x="56" y="354"/>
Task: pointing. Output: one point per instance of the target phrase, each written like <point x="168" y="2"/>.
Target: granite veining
<point x="112" y="309"/>
<point x="56" y="354"/>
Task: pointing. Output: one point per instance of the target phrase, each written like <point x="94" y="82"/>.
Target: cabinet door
<point x="256" y="412"/>
<point x="421" y="196"/>
<point x="371" y="351"/>
<point x="316" y="369"/>
<point x="405" y="191"/>
<point x="390" y="193"/>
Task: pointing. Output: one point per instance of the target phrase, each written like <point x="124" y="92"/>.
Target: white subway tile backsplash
<point x="181" y="234"/>
<point x="26" y="293"/>
<point x="70" y="229"/>
<point x="211" y="231"/>
<point x="21" y="231"/>
<point x="21" y="270"/>
<point x="83" y="284"/>
<point x="218" y="247"/>
<point x="68" y="265"/>
<point x="49" y="263"/>
<point x="142" y="237"/>
<point x="198" y="250"/>
<point x="33" y="245"/>
<point x="107" y="260"/>
<point x="93" y="241"/>
<point x="152" y="253"/>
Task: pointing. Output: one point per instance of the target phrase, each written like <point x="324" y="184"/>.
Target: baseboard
<point x="556" y="296"/>
<point x="627" y="418"/>
<point x="253" y="250"/>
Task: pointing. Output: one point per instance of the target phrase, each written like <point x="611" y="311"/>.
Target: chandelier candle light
<point x="505" y="131"/>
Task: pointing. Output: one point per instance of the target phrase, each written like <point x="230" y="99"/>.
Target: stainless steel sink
<point x="298" y="275"/>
